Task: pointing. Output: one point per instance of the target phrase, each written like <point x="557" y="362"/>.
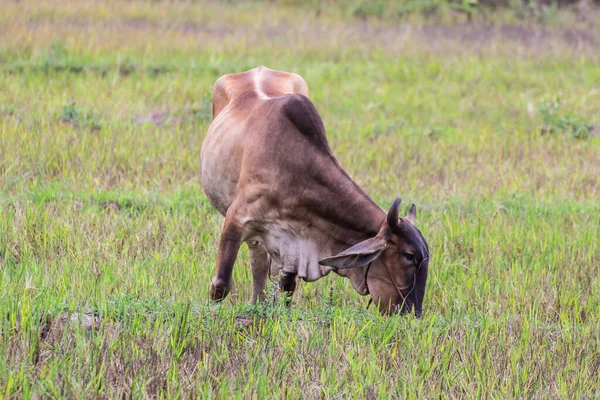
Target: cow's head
<point x="395" y="263"/>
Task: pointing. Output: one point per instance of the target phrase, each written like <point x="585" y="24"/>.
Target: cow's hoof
<point x="218" y="290"/>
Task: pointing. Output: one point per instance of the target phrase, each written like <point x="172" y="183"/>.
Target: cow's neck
<point x="350" y="215"/>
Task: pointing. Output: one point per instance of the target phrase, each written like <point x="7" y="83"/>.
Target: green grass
<point x="103" y="108"/>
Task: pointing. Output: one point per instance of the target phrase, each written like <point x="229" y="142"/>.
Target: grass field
<point x="108" y="244"/>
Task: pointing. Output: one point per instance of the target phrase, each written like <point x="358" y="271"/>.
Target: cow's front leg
<point x="231" y="239"/>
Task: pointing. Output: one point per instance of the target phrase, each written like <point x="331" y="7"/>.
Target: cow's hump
<point x="303" y="114"/>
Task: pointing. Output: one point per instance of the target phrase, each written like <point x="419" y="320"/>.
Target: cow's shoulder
<point x="301" y="112"/>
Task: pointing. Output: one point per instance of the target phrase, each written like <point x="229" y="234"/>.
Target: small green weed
<point x="70" y="113"/>
<point x="558" y="121"/>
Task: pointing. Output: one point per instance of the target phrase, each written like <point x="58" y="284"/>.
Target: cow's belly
<point x="221" y="158"/>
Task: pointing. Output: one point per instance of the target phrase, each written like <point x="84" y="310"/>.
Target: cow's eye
<point x="409" y="256"/>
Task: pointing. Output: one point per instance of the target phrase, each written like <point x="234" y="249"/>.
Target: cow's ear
<point x="357" y="255"/>
<point x="412" y="214"/>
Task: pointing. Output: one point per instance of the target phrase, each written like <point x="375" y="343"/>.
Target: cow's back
<point x="242" y="104"/>
<point x="261" y="82"/>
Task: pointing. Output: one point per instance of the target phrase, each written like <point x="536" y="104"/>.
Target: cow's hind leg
<point x="259" y="261"/>
<point x="229" y="245"/>
<point x="288" y="285"/>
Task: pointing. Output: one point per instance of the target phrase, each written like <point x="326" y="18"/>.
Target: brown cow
<point x="267" y="167"/>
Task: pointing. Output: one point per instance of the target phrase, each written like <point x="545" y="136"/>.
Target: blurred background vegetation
<point x="491" y="10"/>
